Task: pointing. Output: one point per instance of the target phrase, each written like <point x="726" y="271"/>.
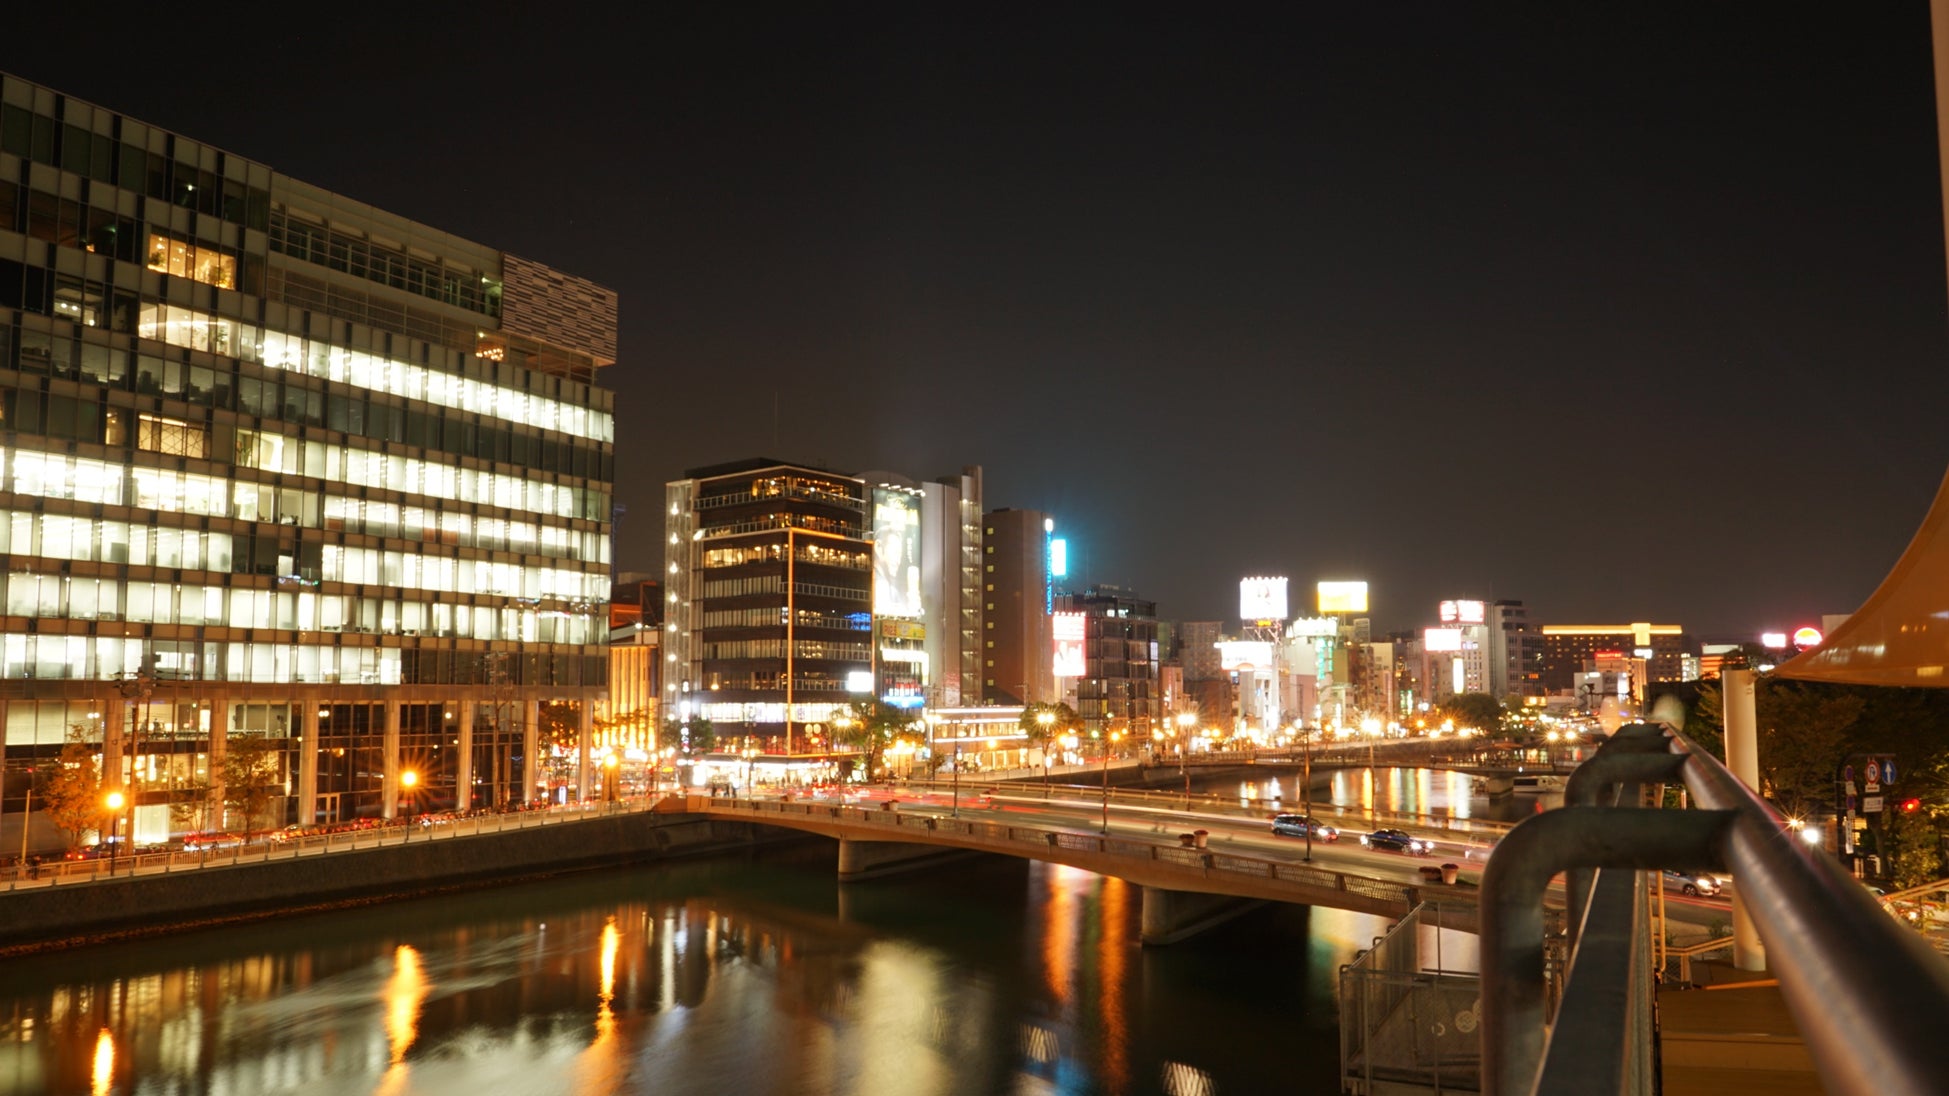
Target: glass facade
<point x="272" y="466"/>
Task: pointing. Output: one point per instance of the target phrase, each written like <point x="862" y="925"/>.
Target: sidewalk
<point x="1732" y="1039"/>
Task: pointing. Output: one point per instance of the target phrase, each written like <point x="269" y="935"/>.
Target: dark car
<point x="1399" y="841"/>
<point x="1296" y="825"/>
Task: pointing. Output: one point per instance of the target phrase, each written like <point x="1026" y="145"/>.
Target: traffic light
<point x="1910" y="806"/>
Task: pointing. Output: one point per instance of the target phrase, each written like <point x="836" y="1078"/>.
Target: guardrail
<point x="1019" y="840"/>
<point x="398" y="832"/>
<point x="1867" y="994"/>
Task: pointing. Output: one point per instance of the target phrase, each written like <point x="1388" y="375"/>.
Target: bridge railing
<point x="1867" y="994"/>
<point x="924" y="827"/>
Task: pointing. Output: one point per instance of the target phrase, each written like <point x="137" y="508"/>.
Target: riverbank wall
<point x="78" y="914"/>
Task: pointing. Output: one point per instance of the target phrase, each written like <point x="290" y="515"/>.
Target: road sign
<point x="1887" y="770"/>
<point x="1871" y="805"/>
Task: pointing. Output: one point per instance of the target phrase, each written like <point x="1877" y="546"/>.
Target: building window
<point x="187" y="260"/>
<point x="170" y="437"/>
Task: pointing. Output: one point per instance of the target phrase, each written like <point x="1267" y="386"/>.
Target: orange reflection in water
<point x="1059" y="933"/>
<point x="104" y="1074"/>
<point x="1111" y="959"/>
<point x="600" y="1067"/>
<point x="404" y="993"/>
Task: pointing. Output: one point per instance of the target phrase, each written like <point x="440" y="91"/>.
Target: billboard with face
<point x="1070" y="632"/>
<point x="1262" y="599"/>
<point x="896" y="554"/>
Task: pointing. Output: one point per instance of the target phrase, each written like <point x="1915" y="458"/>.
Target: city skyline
<point x="1627" y="317"/>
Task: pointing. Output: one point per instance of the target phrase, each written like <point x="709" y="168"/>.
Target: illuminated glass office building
<point x="279" y="463"/>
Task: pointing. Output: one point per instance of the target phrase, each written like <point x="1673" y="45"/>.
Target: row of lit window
<point x="779" y="615"/>
<point x="85" y="479"/>
<point x="772" y="553"/>
<point x="775" y="648"/>
<point x="413" y="571"/>
<point x="413" y="475"/>
<point x="180" y="326"/>
<point x="84" y="658"/>
<point x="58" y="597"/>
<point x="183" y="259"/>
<point x="47" y="722"/>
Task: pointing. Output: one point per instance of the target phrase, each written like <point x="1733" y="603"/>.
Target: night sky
<point x="1628" y="315"/>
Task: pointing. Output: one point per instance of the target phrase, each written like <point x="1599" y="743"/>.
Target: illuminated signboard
<point x="1463" y="612"/>
<point x="1806" y="637"/>
<point x="1343" y="597"/>
<point x="859" y="681"/>
<point x="1313" y="627"/>
<point x="1234" y="653"/>
<point x="1069" y="632"/>
<point x="1773" y="641"/>
<point x="1059" y="558"/>
<point x="896" y="554"/>
<point x="1262" y="599"/>
<point x="1435" y="640"/>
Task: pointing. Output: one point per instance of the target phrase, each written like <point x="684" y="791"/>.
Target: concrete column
<point x="114" y="726"/>
<point x="219" y="747"/>
<point x="584" y="728"/>
<point x="1743" y="758"/>
<point x="1169" y="916"/>
<point x="308" y="760"/>
<point x="390" y="808"/>
<point x="464" y="778"/>
<point x="531" y="766"/>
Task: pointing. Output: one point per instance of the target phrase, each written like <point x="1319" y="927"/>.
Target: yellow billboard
<point x="1343" y="597"/>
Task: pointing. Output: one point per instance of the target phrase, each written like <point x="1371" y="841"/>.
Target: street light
<point x="1372" y="728"/>
<point x="1114" y="735"/>
<point x="1186" y="721"/>
<point x="1306" y="787"/>
<point x="610" y="763"/>
<point x="113" y="801"/>
<point x="1048" y="720"/>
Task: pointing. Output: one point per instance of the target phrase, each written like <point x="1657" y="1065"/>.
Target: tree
<point x="1479" y="711"/>
<point x="1805" y="731"/>
<point x="1914" y="850"/>
<point x="1043" y="733"/>
<point x="695" y="735"/>
<point x="250" y="779"/>
<point x="870" y="726"/>
<point x="72" y="793"/>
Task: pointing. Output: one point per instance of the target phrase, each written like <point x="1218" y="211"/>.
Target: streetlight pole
<point x="956" y="812"/>
<point x="114" y="802"/>
<point x="1047" y="719"/>
<point x="1186" y="721"/>
<point x="1306" y="789"/>
<point x="1107" y="743"/>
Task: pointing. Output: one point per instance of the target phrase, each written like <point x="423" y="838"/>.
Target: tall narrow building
<point x="769" y="594"/>
<point x="281" y="465"/>
<point x="1017" y="596"/>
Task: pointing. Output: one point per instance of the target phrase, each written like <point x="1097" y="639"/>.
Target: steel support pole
<point x="1742" y="759"/>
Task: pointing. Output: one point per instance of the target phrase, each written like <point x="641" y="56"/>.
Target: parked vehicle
<point x="1398" y="840"/>
<point x="1692" y="882"/>
<point x="1296" y="825"/>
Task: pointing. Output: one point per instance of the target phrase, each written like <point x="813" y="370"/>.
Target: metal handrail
<point x="1867" y="995"/>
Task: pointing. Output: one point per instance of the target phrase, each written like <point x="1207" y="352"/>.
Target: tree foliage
<point x="72" y="793"/>
<point x="1062" y="720"/>
<point x="870" y="726"/>
<point x="1914" y="850"/>
<point x="1477" y="710"/>
<point x="695" y="735"/>
<point x="250" y="780"/>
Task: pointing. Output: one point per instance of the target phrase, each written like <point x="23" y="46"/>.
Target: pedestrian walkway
<point x="1732" y="1036"/>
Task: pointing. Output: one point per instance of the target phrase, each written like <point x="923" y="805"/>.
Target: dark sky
<point x="1629" y="315"/>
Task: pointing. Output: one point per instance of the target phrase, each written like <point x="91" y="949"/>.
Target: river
<point x="739" y="975"/>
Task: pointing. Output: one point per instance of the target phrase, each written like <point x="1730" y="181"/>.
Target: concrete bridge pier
<point x="871" y="859"/>
<point x="1170" y="915"/>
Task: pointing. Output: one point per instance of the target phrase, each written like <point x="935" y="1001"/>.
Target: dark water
<point x="748" y="976"/>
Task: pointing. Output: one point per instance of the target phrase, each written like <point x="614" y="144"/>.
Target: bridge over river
<point x="1185" y="888"/>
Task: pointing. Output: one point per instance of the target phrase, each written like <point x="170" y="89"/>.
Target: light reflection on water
<point x="1442" y="793"/>
<point x="767" y="977"/>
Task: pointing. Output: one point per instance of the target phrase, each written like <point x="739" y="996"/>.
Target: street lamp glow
<point x="1371" y="727"/>
<point x="114" y="801"/>
<point x="408" y="778"/>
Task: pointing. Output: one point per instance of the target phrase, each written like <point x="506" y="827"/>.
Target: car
<point x="1398" y="840"/>
<point x="1692" y="882"/>
<point x="1296" y="825"/>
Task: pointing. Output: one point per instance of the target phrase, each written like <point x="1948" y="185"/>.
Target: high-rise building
<point x="928" y="543"/>
<point x="769" y="580"/>
<point x="1515" y="652"/>
<point x="282" y="465"/>
<point x="1118" y="689"/>
<point x="1570" y="649"/>
<point x="1017" y="596"/>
